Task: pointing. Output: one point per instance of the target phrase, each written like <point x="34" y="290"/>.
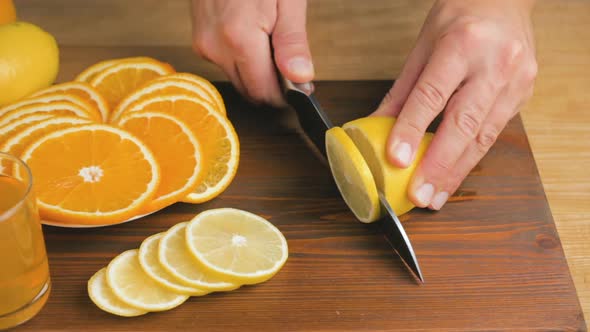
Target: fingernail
<point x="424" y="194"/>
<point x="300" y="66"/>
<point x="439" y="200"/>
<point x="403" y="153"/>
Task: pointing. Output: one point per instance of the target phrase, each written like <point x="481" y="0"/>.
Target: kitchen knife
<point x="315" y="123"/>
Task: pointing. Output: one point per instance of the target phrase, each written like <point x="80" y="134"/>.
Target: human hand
<point x="239" y="36"/>
<point x="474" y="60"/>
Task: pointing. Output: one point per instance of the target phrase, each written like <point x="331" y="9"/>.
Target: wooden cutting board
<point x="491" y="258"/>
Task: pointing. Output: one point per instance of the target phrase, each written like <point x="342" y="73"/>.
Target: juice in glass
<point x="24" y="271"/>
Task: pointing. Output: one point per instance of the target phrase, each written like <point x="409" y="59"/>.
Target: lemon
<point x="177" y="260"/>
<point x="135" y="288"/>
<point x="370" y="137"/>
<point x="238" y="245"/>
<point x="352" y="175"/>
<point x="148" y="259"/>
<point x="29" y="60"/>
<point x="101" y="294"/>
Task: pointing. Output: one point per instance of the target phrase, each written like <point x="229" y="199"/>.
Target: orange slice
<point x="82" y="90"/>
<point x="219" y="142"/>
<point x="89" y="73"/>
<point x="176" y="150"/>
<point x="209" y="88"/>
<point x="92" y="174"/>
<point x="8" y="129"/>
<point x="165" y="85"/>
<point x="16" y="144"/>
<point x="55" y="97"/>
<point x="120" y="79"/>
<point x="53" y="108"/>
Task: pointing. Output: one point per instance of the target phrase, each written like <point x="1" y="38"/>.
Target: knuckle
<point x="232" y="36"/>
<point x="430" y="96"/>
<point x="441" y="167"/>
<point x="467" y="122"/>
<point x="472" y="33"/>
<point x="287" y="39"/>
<point x="199" y="46"/>
<point x="530" y="71"/>
<point x="486" y="138"/>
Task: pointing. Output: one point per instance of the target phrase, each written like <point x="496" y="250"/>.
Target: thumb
<point x="289" y="40"/>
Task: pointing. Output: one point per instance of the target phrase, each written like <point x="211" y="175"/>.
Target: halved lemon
<point x="370" y="137"/>
<point x="352" y="175"/>
<point x="148" y="259"/>
<point x="237" y="245"/>
<point x="174" y="256"/>
<point x="101" y="294"/>
<point x="135" y="288"/>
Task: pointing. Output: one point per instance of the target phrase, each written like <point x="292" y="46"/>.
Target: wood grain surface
<point x="492" y="258"/>
<point x="356" y="40"/>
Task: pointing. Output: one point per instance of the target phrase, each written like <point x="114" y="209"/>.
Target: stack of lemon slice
<point x="218" y="250"/>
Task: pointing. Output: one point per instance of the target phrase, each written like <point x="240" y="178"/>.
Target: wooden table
<point x="372" y="45"/>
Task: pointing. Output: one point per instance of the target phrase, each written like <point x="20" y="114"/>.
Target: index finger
<point x="445" y="71"/>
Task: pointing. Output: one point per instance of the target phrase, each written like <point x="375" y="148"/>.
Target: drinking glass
<point x="24" y="270"/>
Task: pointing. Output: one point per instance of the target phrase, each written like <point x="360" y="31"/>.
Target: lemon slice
<point x="175" y="258"/>
<point x="236" y="244"/>
<point x="370" y="137"/>
<point x="148" y="259"/>
<point x="135" y="288"/>
<point x="101" y="294"/>
<point x="352" y="175"/>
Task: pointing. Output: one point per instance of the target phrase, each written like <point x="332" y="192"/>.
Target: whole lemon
<point x="29" y="60"/>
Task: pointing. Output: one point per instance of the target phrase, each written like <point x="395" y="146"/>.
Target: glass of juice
<point x="24" y="271"/>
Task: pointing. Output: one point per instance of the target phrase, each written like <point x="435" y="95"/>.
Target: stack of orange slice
<point x="128" y="137"/>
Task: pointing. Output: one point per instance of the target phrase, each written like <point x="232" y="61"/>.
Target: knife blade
<point x="315" y="122"/>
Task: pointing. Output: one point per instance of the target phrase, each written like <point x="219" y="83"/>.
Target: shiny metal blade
<point x="312" y="118"/>
<point x="398" y="239"/>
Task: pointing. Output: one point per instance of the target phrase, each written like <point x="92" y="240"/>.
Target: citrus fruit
<point x="7" y="12"/>
<point x="352" y="175"/>
<point x="121" y="78"/>
<point x="16" y="144"/>
<point x="101" y="294"/>
<point x="237" y="245"/>
<point x="163" y="85"/>
<point x="370" y="137"/>
<point x="134" y="287"/>
<point x="52" y="108"/>
<point x="8" y="129"/>
<point x="210" y="89"/>
<point x="89" y="73"/>
<point x="82" y="90"/>
<point x="92" y="174"/>
<point x="176" y="150"/>
<point x="215" y="133"/>
<point x="148" y="259"/>
<point x="53" y="97"/>
<point x="174" y="256"/>
<point x="29" y="60"/>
